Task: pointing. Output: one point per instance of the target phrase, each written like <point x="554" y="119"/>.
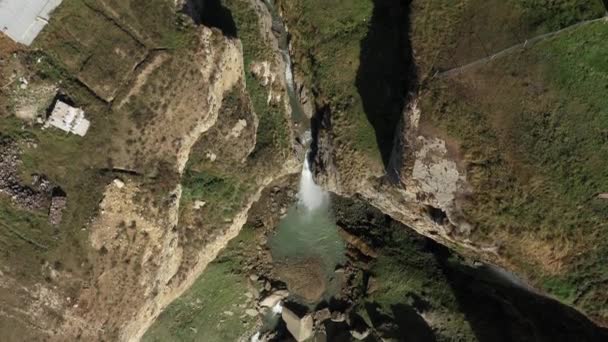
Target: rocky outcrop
<point x="42" y="194"/>
<point x="141" y="240"/>
<point x="273" y="299"/>
<point x="421" y="189"/>
<point x="299" y="327"/>
<point x="358" y="243"/>
<point x="305" y="279"/>
<point x="58" y="204"/>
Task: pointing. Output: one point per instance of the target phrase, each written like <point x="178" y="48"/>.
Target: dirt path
<point x="142" y="77"/>
<point x="527" y="43"/>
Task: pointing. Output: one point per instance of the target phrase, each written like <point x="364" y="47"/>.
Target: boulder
<point x="198" y="204"/>
<point x="372" y="285"/>
<point x="305" y="278"/>
<point x="299" y="327"/>
<point x="119" y="183"/>
<point x="322" y="315"/>
<point x="337" y="316"/>
<point x="360" y="335"/>
<point x="274" y="298"/>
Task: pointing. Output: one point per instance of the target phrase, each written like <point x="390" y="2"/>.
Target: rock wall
<point x="419" y="190"/>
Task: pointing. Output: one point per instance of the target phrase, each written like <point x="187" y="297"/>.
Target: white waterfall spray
<point x="288" y="71"/>
<point x="310" y="194"/>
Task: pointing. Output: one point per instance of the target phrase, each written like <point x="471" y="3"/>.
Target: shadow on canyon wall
<point x="211" y="13"/>
<point x="409" y="325"/>
<point x="497" y="308"/>
<point x="386" y="72"/>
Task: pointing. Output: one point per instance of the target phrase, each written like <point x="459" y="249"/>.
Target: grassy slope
<point x="405" y="272"/>
<point x="74" y="162"/>
<point x="225" y="185"/>
<point x="102" y="41"/>
<point x="447" y="33"/>
<point x="199" y="314"/>
<point x="151" y="21"/>
<point x="428" y="290"/>
<point x="91" y="47"/>
<point x="408" y="272"/>
<point x="71" y="162"/>
<point x="223" y="193"/>
<point x="532" y="128"/>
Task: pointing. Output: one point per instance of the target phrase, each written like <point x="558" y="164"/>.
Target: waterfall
<point x="310" y="194"/>
<point x="288" y="71"/>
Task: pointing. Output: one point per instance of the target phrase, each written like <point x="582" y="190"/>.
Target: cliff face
<point x="366" y="133"/>
<point x="446" y="135"/>
<point x="190" y="138"/>
<point x="146" y="237"/>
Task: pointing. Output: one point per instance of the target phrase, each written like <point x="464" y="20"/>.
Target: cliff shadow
<point x="386" y="72"/>
<point x="404" y="323"/>
<point x="496" y="305"/>
<point x="500" y="309"/>
<point x="211" y="13"/>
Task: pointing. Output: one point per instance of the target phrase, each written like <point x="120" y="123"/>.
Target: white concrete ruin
<point x="68" y="118"/>
<point x="22" y="20"/>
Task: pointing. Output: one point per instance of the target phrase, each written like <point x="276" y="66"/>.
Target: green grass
<point x="71" y="163"/>
<point x="272" y="138"/>
<point x="406" y="271"/>
<point x="91" y="47"/>
<point x="198" y="315"/>
<point x="535" y="143"/>
<point x="25" y="238"/>
<point x="449" y="33"/>
<point x="560" y="288"/>
<point x="551" y="15"/>
<point x="235" y="106"/>
<point x="416" y="277"/>
<point x="155" y="22"/>
<point x="101" y="44"/>
<point x="223" y="194"/>
<point x="410" y="271"/>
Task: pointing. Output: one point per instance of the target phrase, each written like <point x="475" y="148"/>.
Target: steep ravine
<point x="393" y="283"/>
<point x="419" y="181"/>
<point x="407" y="202"/>
<point x="411" y="186"/>
<point x="273" y="79"/>
<point x="420" y="184"/>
